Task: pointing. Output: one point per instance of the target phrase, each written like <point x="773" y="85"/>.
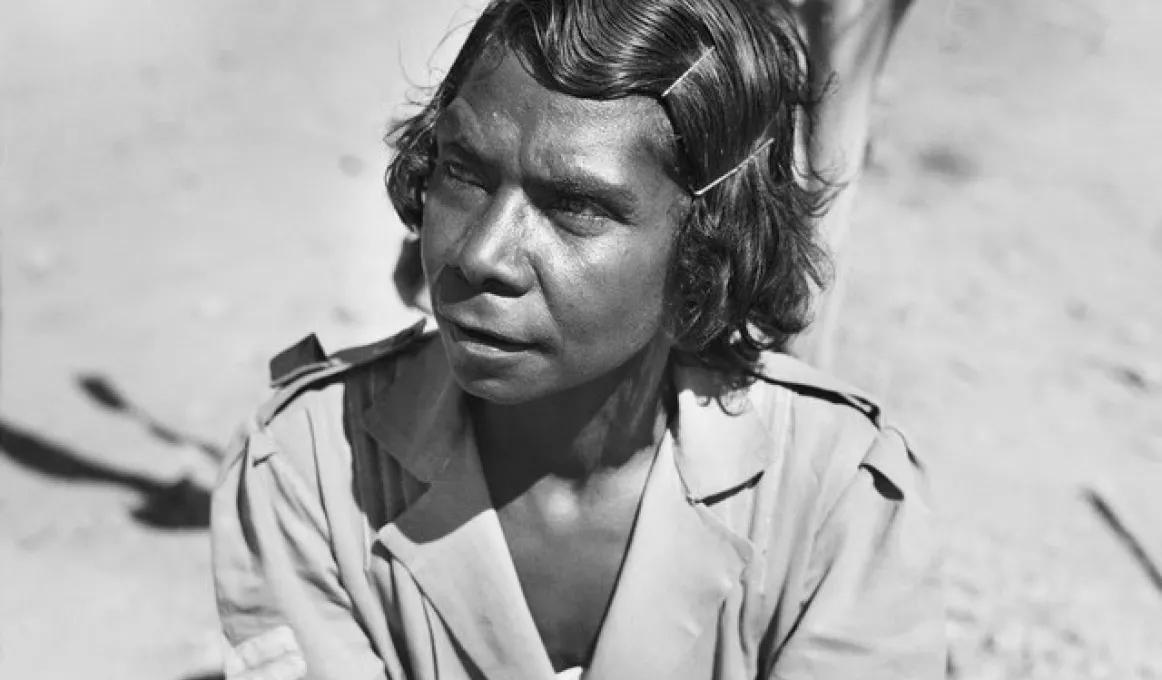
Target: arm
<point x="284" y="610"/>
<point x="875" y="609"/>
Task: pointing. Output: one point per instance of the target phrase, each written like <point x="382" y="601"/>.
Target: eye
<point x="581" y="216"/>
<point x="456" y="173"/>
<point x="581" y="207"/>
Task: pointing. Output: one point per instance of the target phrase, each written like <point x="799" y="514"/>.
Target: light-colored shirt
<point x="783" y="533"/>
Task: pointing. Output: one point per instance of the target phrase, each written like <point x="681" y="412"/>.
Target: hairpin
<point x="722" y="178"/>
<point x="707" y="53"/>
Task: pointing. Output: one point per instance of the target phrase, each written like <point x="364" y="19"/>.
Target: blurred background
<point x="188" y="187"/>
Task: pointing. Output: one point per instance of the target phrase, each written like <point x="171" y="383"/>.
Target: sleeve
<point x="283" y="608"/>
<point x="875" y="609"/>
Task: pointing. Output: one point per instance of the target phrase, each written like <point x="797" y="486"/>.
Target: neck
<point x="592" y="429"/>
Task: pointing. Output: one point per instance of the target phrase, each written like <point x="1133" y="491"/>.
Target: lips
<point x="477" y="335"/>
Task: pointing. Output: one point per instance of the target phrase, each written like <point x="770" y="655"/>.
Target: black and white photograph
<point x="580" y="340"/>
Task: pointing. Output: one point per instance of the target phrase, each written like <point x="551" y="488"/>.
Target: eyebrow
<point x="462" y="149"/>
<point x="451" y="130"/>
<point x="620" y="200"/>
<point x="571" y="180"/>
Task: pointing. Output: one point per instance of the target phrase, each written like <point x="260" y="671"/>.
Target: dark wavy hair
<point x="746" y="263"/>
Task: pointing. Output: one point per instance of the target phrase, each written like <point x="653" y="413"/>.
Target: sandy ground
<point x="187" y="187"/>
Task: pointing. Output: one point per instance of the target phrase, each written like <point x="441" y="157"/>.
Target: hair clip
<point x="722" y="178"/>
<point x="707" y="53"/>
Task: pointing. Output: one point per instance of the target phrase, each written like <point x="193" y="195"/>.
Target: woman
<point x="601" y="464"/>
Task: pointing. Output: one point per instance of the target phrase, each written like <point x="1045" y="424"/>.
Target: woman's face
<point x="549" y="223"/>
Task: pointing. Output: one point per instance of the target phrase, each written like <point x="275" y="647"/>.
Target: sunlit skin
<point x="548" y="228"/>
<point x="549" y="221"/>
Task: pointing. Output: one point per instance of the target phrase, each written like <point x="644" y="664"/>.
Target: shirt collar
<point x="418" y="415"/>
<point x="724" y="437"/>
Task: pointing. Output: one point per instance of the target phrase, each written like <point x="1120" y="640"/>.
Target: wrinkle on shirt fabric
<point x="783" y="533"/>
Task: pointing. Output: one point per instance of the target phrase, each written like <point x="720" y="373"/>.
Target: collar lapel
<point x="450" y="540"/>
<point x="724" y="438"/>
<point x="682" y="563"/>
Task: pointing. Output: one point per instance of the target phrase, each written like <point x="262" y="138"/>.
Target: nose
<point x="492" y="255"/>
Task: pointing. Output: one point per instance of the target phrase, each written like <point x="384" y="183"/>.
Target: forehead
<point x="500" y="106"/>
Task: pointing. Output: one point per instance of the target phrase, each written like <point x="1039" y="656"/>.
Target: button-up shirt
<point x="782" y="533"/>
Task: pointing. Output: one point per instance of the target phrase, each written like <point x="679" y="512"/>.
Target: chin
<point x="500" y="391"/>
<point x="506" y="385"/>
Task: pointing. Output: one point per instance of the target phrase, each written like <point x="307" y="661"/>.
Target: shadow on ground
<point x="178" y="505"/>
<point x="1125" y="535"/>
<point x="103" y="392"/>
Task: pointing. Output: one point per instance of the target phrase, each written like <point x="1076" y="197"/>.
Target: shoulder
<point x="836" y="431"/>
<point x="304" y="366"/>
<point x="310" y="389"/>
<point x="853" y="542"/>
<point x="820" y="390"/>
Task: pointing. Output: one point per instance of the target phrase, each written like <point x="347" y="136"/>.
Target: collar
<point x="419" y="415"/>
<point x="723" y="439"/>
<point x="682" y="560"/>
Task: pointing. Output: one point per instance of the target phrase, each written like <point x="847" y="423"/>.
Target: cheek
<point x="617" y="299"/>
<point x="436" y="238"/>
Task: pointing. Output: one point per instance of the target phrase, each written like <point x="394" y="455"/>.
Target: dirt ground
<point x="187" y="187"/>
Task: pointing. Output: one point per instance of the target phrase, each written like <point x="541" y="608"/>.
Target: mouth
<point x="482" y="339"/>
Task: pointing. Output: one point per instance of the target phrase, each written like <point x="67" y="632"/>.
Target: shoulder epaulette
<point x="783" y="369"/>
<point x="305" y="363"/>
